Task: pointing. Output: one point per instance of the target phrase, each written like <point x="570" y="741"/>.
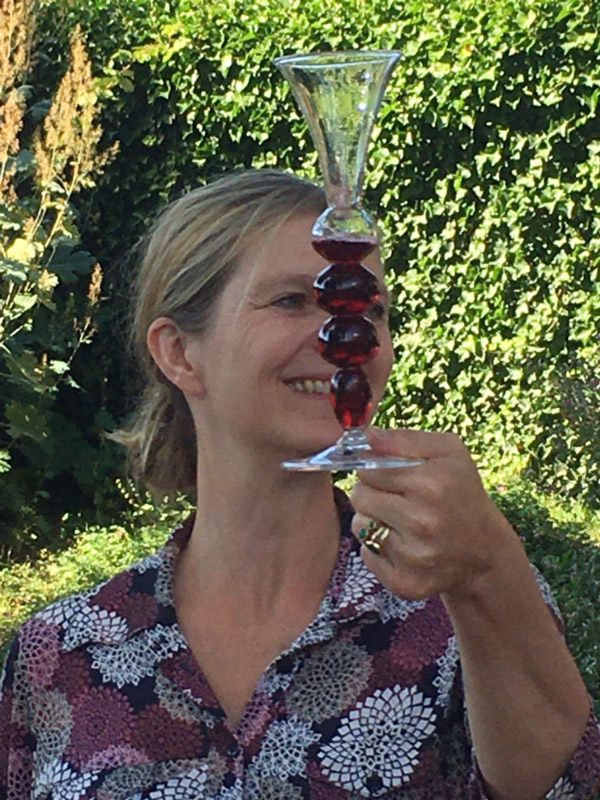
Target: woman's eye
<point x="291" y="301"/>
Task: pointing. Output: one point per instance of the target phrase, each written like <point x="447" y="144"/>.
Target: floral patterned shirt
<point x="102" y="698"/>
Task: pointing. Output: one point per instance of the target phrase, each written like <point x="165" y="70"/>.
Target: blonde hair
<point x="187" y="258"/>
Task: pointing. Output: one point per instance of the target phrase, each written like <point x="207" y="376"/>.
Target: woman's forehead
<point x="287" y="250"/>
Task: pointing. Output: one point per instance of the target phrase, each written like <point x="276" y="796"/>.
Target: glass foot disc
<point x="339" y="458"/>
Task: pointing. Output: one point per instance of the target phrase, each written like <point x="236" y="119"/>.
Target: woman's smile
<point x="310" y="387"/>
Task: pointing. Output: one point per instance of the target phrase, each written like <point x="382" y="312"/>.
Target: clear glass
<point x="339" y="94"/>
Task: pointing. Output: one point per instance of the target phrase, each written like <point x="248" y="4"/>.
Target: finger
<point x="392" y="510"/>
<point x="404" y="480"/>
<point x="368" y="529"/>
<point x="400" y="579"/>
<point x="441" y="449"/>
<point x="375" y="536"/>
<point x="413" y="444"/>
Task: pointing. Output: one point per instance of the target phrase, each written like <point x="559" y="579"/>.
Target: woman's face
<point x="264" y="380"/>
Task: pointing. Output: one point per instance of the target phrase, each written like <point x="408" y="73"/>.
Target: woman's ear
<point x="168" y="347"/>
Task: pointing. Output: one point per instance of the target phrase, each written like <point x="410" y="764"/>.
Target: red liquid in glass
<point x="348" y="340"/>
<point x="346" y="288"/>
<point x="351" y="397"/>
<point x="340" y="250"/>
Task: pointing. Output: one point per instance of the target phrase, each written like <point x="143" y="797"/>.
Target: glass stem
<point x="353" y="440"/>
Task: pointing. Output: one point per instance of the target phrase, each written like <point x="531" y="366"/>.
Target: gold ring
<point x="374" y="536"/>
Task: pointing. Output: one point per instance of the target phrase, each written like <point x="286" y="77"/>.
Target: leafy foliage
<point x="49" y="286"/>
<point x="563" y="541"/>
<point x="485" y="172"/>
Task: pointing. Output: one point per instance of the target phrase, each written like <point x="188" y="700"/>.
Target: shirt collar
<point x="353" y="592"/>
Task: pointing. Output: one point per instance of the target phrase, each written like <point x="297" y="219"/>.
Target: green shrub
<point x="49" y="287"/>
<point x="563" y="541"/>
<point x="91" y="555"/>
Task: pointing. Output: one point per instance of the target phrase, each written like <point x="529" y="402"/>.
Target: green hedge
<point x="485" y="172"/>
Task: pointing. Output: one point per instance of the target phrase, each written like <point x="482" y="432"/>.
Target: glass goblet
<point x="339" y="94"/>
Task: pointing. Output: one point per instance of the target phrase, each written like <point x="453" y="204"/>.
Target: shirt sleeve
<point x="16" y="738"/>
<point x="581" y="779"/>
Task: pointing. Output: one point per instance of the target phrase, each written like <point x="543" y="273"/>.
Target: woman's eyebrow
<point x="299" y="280"/>
<point x="305" y="281"/>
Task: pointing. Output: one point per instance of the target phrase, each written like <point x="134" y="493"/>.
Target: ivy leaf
<point x="4" y="461"/>
<point x="68" y="263"/>
<point x="26" y="420"/>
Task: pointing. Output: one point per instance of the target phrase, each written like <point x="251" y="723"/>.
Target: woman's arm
<point x="527" y="705"/>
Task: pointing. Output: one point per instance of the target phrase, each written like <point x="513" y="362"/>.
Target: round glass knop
<point x="346" y="288"/>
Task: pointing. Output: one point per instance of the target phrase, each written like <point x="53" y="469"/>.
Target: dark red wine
<point x="340" y="250"/>
<point x="351" y="397"/>
<point x="348" y="340"/>
<point x="346" y="288"/>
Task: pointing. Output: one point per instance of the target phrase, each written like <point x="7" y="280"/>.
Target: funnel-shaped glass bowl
<point x="339" y="95"/>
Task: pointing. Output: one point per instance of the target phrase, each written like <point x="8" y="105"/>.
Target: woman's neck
<point x="262" y="537"/>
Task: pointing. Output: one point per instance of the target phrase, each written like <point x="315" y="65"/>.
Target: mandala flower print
<point x="255" y="718"/>
<point x="234" y="792"/>
<point x="93" y="624"/>
<point x="52" y="725"/>
<point x="330" y="681"/>
<point x="447" y="666"/>
<point x="101" y="717"/>
<point x="140" y="610"/>
<point x="268" y="787"/>
<point x="284" y="749"/>
<point x="161" y="737"/>
<point x="420" y="640"/>
<point x="178" y="702"/>
<point x="112" y="593"/>
<point x="585" y="767"/>
<point x="20" y="764"/>
<point x="135" y="658"/>
<point x="73" y="677"/>
<point x="184" y="787"/>
<point x="377" y="745"/>
<point x="359" y="582"/>
<point x="563" y="790"/>
<point x="5" y="701"/>
<point x="181" y="672"/>
<point x="115" y="755"/>
<point x="393" y="607"/>
<point x="57" y="780"/>
<point x="39" y="650"/>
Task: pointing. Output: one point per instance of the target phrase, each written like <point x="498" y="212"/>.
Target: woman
<point x="264" y="652"/>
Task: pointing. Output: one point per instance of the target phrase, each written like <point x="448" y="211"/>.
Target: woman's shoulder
<point x="107" y="613"/>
